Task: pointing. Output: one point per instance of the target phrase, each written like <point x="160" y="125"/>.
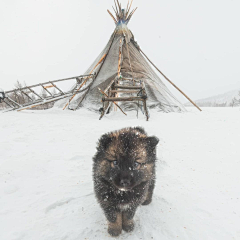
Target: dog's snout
<point x="125" y="182"/>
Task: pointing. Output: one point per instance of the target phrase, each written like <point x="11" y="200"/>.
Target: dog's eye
<point x="136" y="165"/>
<point x="114" y="164"/>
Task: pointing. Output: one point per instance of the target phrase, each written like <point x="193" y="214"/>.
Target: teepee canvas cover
<point x="132" y="64"/>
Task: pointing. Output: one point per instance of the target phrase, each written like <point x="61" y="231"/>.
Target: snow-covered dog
<point x="124" y="175"/>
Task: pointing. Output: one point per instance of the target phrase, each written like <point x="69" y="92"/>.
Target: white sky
<point x="195" y="43"/>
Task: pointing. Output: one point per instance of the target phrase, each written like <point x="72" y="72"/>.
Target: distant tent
<point x="123" y="55"/>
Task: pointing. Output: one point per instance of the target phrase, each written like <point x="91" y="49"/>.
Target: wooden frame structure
<point x="133" y="90"/>
<point x="34" y="97"/>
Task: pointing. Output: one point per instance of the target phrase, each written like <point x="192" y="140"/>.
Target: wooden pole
<point x="113" y="101"/>
<point x="145" y="108"/>
<point x="129" y="9"/>
<point x="120" y="57"/>
<point x="116" y="13"/>
<point x="130" y="16"/>
<point x="47" y="90"/>
<point x="8" y="104"/>
<point x="144" y="101"/>
<point x="129" y="57"/>
<point x="57" y="88"/>
<point x="170" y="81"/>
<point x="9" y="99"/>
<point x="107" y="88"/>
<point x="26" y="95"/>
<point x="73" y="95"/>
<point x="119" y="62"/>
<point x="122" y="91"/>
<point x="35" y="93"/>
<point x="123" y="99"/>
<point x="103" y="57"/>
<point x="127" y="87"/>
<point x="117" y="9"/>
<point x="103" y="112"/>
<point x="131" y="79"/>
<point x="112" y="16"/>
<point x="17" y="97"/>
<point x="120" y="10"/>
<point x="84" y="81"/>
<point x="126" y="10"/>
<point x="84" y="95"/>
<point x="45" y="87"/>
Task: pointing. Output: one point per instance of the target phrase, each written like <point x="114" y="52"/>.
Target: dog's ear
<point x="152" y="141"/>
<point x="140" y="129"/>
<point x="104" y="142"/>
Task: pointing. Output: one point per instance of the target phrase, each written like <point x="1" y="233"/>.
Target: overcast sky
<point x="196" y="43"/>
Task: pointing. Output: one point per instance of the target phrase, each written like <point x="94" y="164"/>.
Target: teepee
<point x="120" y="78"/>
<point x="123" y="61"/>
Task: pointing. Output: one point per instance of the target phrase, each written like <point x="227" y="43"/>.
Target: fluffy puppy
<point x="124" y="175"/>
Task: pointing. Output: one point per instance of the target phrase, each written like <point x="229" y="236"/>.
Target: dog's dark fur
<point x="124" y="175"/>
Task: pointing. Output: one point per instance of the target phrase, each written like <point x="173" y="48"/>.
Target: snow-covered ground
<point x="46" y="188"/>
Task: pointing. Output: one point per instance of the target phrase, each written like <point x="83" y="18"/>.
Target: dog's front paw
<point x="146" y="202"/>
<point x="114" y="232"/>
<point x="129" y="226"/>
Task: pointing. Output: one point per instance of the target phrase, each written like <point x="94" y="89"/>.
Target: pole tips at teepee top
<point x="122" y="15"/>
